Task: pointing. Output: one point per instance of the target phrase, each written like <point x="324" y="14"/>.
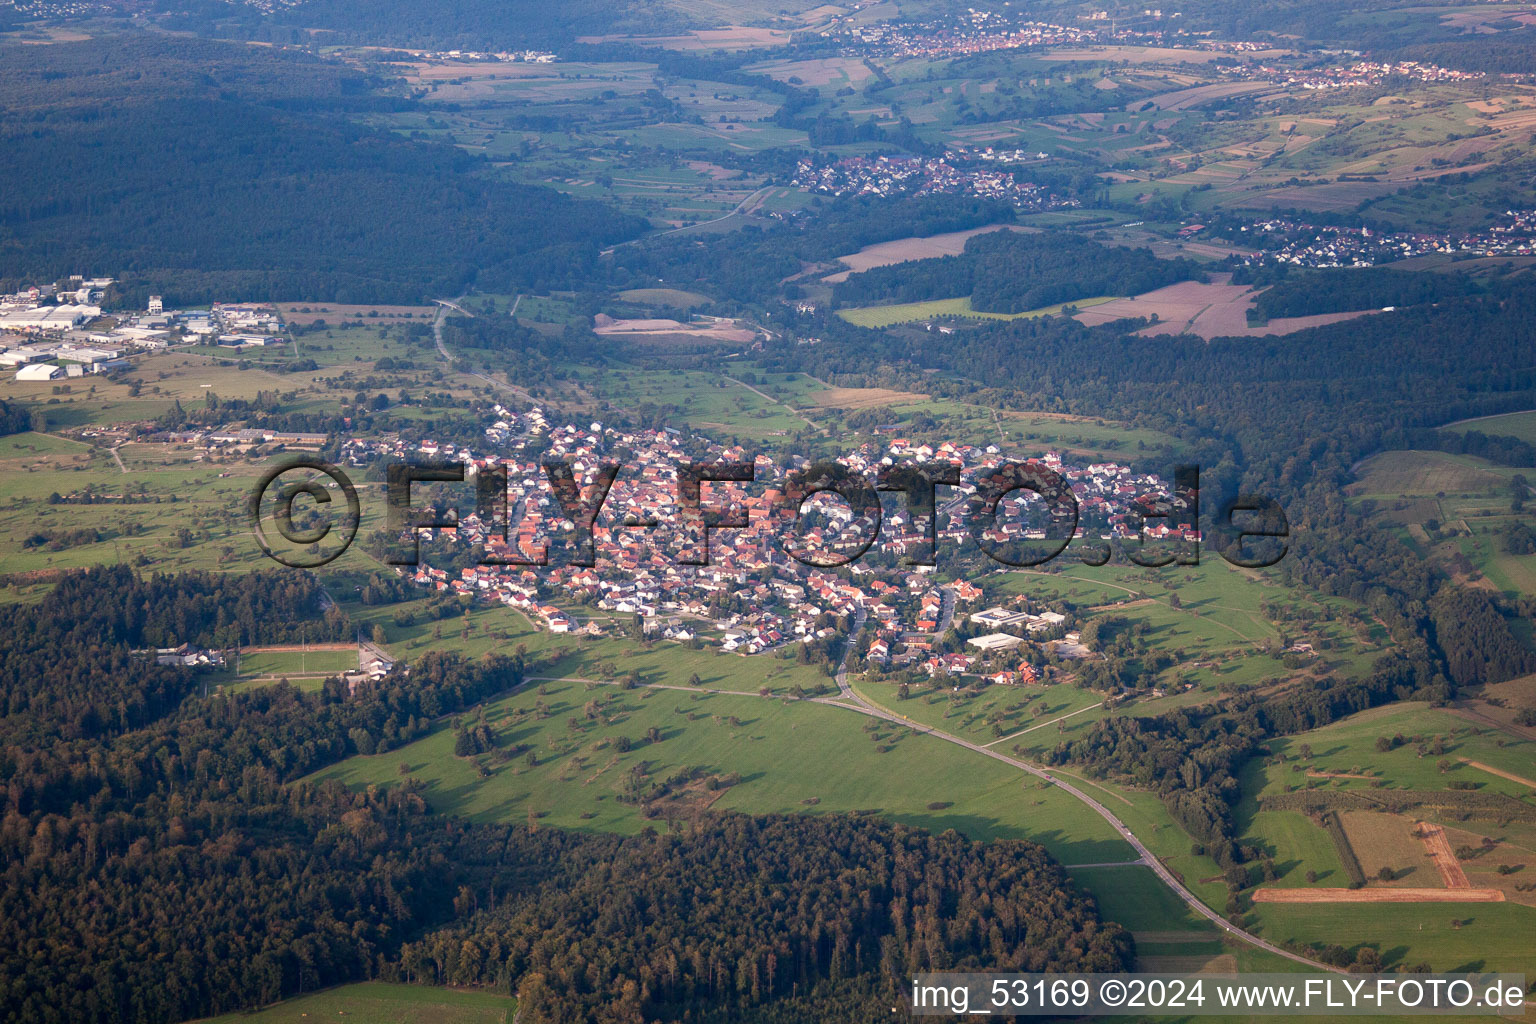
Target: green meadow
<point x="375" y="1002"/>
<point x="571" y="770"/>
<point x="908" y="312"/>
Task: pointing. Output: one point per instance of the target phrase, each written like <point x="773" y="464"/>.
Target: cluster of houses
<point x="911" y="175"/>
<point x="749" y="596"/>
<point x="1347" y="76"/>
<point x="1332" y="246"/>
<point x="989" y="154"/>
<point x="969" y="31"/>
<point x="500" y="56"/>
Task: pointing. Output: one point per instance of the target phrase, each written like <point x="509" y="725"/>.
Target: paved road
<point x="859" y="618"/>
<point x="443" y="306"/>
<point x="863" y="707"/>
<point x="741" y="206"/>
<point x="851" y="701"/>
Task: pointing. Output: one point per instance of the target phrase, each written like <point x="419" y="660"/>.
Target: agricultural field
<point x="1344" y="756"/>
<point x="790" y="756"/>
<point x="375" y="1002"/>
<point x="1455" y="510"/>
<point x="911" y="312"/>
<point x="1510" y="424"/>
<point x="166" y="506"/>
<point x="884" y="254"/>
<point x="1448" y="937"/>
<point x="713" y="403"/>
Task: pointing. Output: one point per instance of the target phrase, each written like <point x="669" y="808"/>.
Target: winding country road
<point x="443" y="306"/>
<point x="1144" y="855"/>
<point x="849" y="700"/>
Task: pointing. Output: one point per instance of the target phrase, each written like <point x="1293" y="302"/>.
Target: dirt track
<point x="1511" y="776"/>
<point x="1439" y="847"/>
<point x="1377" y="896"/>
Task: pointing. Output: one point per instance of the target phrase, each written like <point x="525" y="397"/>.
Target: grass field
<point x="908" y="312"/>
<point x="297" y="663"/>
<point x="1135" y="897"/>
<point x="1453" y="510"/>
<point x="790" y="755"/>
<point x="711" y="402"/>
<point x="1296" y="844"/>
<point x="1511" y="424"/>
<point x="376" y="1002"/>
<point x="1406" y="473"/>
<point x="1490" y="936"/>
<point x="1349" y="746"/>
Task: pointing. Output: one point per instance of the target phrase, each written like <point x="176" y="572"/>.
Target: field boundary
<point x="1377" y="896"/>
<point x="1511" y="776"/>
<point x="1334" y="824"/>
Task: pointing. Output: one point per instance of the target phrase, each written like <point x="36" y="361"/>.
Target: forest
<point x="1009" y="272"/>
<point x="161" y="858"/>
<point x="205" y="170"/>
<point x="1294" y="291"/>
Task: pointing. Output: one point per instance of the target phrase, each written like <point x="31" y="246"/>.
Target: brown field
<point x="818" y="72"/>
<point x="900" y="250"/>
<point x="1386" y="841"/>
<point x="1438" y="846"/>
<point x="865" y="398"/>
<point x="1420" y="473"/>
<point x="659" y="330"/>
<point x="1183" y="99"/>
<point x="1215" y="310"/>
<point x="732" y="37"/>
<point x="1377" y="896"/>
<point x="333" y="312"/>
<point x="1499" y="772"/>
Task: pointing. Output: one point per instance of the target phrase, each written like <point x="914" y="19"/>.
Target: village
<point x="749" y="596"/>
<point x="921" y="176"/>
<point x="1332" y="246"/>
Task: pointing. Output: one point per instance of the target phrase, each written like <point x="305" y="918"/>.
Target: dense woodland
<point x="161" y="859"/>
<point x="747" y="265"/>
<point x="1302" y="292"/>
<point x="1009" y="272"/>
<point x="739" y="914"/>
<point x="234" y="175"/>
